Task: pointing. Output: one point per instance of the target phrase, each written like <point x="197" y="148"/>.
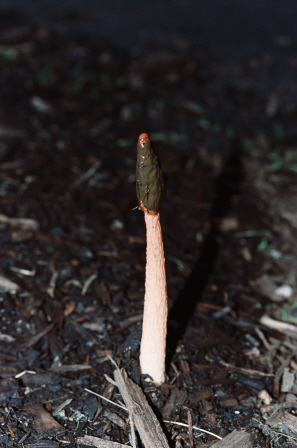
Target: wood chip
<point x="8" y="285"/>
<point x="42" y="420"/>
<point x="185" y="367"/>
<point x="70" y="368"/>
<point x="130" y="320"/>
<point x="20" y="223"/>
<point x="282" y="420"/>
<point x="249" y="372"/>
<point x="100" y="443"/>
<point x="62" y="406"/>
<point x="237" y="439"/>
<point x="203" y="394"/>
<point x="266" y="286"/>
<point x="287" y="380"/>
<point x="115" y="418"/>
<point x="228" y="224"/>
<point x="228" y="402"/>
<point x="140" y="412"/>
<point x="207" y="407"/>
<point x="34" y="339"/>
<point x="42" y="444"/>
<point x="177" y="398"/>
<point x="6" y="338"/>
<point x="265" y="397"/>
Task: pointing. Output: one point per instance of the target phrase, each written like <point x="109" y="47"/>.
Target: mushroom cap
<point x="150" y="185"/>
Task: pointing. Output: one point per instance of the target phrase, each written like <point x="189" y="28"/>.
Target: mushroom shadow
<point x="227" y="185"/>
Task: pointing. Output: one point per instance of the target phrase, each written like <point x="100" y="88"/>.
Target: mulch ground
<point x="72" y="252"/>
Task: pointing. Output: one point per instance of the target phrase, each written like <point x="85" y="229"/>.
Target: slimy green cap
<point x="150" y="187"/>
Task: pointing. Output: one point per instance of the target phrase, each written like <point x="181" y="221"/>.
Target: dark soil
<point x="70" y="116"/>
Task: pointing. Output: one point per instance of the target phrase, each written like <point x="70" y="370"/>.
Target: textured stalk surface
<point x="153" y="342"/>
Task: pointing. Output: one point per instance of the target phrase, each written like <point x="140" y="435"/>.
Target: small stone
<point x="288" y="380"/>
<point x="275" y="254"/>
<point x="228" y="223"/>
<point x="228" y="402"/>
<point x="40" y="105"/>
<point x="284" y="291"/>
<point x="117" y="225"/>
<point x="264" y="396"/>
<point x="246" y="253"/>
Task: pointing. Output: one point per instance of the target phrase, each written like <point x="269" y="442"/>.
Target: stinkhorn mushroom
<point x="150" y="189"/>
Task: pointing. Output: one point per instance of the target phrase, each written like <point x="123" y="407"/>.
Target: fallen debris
<point x="140" y="412"/>
<point x="43" y="421"/>
<point x="237" y="439"/>
<point x="277" y="325"/>
<point x="20" y="223"/>
<point x="283" y="421"/>
<point x="99" y="443"/>
<point x="287" y="380"/>
<point x="8" y="285"/>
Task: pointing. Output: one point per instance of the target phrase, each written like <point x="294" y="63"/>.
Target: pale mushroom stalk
<point x="150" y="191"/>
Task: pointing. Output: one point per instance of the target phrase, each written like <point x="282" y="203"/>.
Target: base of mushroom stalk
<point x="154" y="329"/>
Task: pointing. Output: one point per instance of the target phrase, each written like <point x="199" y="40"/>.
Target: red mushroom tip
<point x="143" y="138"/>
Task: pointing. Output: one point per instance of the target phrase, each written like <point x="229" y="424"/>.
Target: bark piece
<point x="282" y="421"/>
<point x="36" y="338"/>
<point x="288" y="380"/>
<point x="265" y="397"/>
<point x="100" y="443"/>
<point x="107" y="393"/>
<point x="228" y="402"/>
<point x="207" y="406"/>
<point x="8" y="387"/>
<point x="115" y="418"/>
<point x="237" y="439"/>
<point x="43" y="444"/>
<point x="130" y="321"/>
<point x="266" y="286"/>
<point x="177" y="398"/>
<point x="203" y="394"/>
<point x="140" y="412"/>
<point x="43" y="422"/>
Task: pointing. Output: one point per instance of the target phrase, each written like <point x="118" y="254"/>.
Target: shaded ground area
<point x="231" y="30"/>
<point x="73" y="250"/>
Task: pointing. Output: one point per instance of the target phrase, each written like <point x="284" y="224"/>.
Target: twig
<point x="88" y="283"/>
<point x="263" y="339"/>
<point x="277" y="325"/>
<point x="246" y="371"/>
<point x="34" y="339"/>
<point x="106" y="399"/>
<point x="99" y="443"/>
<point x="52" y="283"/>
<point x="190" y="423"/>
<point x="21" y="223"/>
<point x="23" y="271"/>
<point x="143" y="417"/>
<point x="194" y="427"/>
<point x="89" y="173"/>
